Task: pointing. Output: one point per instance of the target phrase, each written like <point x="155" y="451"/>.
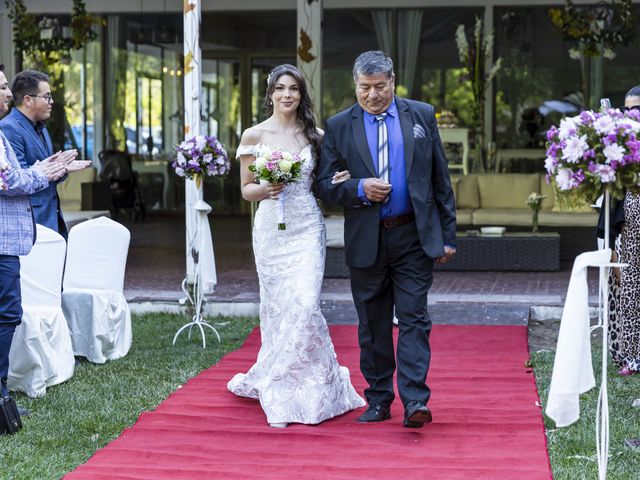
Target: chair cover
<point x="41" y="354"/>
<point x="92" y="299"/>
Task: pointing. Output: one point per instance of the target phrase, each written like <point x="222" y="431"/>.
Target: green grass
<point x="573" y="449"/>
<point x="78" y="417"/>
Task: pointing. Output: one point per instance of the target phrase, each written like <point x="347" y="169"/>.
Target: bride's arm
<point x="252" y="191"/>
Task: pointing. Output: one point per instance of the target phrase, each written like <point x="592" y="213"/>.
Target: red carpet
<point x="486" y="424"/>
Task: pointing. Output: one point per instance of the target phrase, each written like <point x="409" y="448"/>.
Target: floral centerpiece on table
<point x="595" y="149"/>
<point x="276" y="166"/>
<point x="201" y="155"/>
<point x="534" y="200"/>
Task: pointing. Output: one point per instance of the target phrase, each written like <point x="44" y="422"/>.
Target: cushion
<point x="503" y="217"/>
<point x="466" y="191"/>
<point x="499" y="190"/>
<point x="549" y="191"/>
<point x="570" y="219"/>
<point x="454" y="186"/>
<point x="464" y="216"/>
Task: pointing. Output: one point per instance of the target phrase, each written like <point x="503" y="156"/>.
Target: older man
<point x="399" y="218"/>
<point x="17" y="229"/>
<point x="24" y="128"/>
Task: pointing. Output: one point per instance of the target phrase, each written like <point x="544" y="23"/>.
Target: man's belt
<point x="393" y="222"/>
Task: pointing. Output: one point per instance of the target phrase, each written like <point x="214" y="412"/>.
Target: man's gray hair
<point x="373" y="62"/>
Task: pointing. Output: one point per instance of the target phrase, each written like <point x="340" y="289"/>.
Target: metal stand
<point x="602" y="412"/>
<point x="195" y="295"/>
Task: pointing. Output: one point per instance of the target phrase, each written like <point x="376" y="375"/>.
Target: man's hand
<point x="50" y="168"/>
<point x="375" y="189"/>
<point x="77" y="165"/>
<point x="449" y="252"/>
<point x="64" y="158"/>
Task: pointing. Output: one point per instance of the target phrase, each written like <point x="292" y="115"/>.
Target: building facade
<point x="124" y="90"/>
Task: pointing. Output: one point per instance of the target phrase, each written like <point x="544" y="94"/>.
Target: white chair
<point x="92" y="299"/>
<point x="41" y="354"/>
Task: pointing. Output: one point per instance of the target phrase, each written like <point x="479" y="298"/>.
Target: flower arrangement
<point x="201" y="155"/>
<point x="473" y="55"/>
<point x="276" y="166"/>
<point x="534" y="200"/>
<point x="598" y="28"/>
<point x="595" y="149"/>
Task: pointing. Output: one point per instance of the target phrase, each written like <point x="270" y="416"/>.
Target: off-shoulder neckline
<point x="266" y="144"/>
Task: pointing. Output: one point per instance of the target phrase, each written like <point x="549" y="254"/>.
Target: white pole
<point x="192" y="87"/>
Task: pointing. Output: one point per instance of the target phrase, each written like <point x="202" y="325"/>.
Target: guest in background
<point x="624" y="283"/>
<point x="24" y="128"/>
<point x="17" y="228"/>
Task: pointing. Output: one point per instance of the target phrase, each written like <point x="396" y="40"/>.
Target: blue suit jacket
<point x="29" y="148"/>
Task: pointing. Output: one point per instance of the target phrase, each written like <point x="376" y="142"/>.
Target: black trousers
<point x="401" y="277"/>
<point x="10" y="307"/>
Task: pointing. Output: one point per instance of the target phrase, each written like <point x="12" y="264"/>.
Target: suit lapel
<point x="360" y="137"/>
<point x="47" y="138"/>
<point x="406" y="125"/>
<point x="30" y="131"/>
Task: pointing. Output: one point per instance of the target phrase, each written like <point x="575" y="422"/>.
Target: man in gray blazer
<point x="399" y="218"/>
<point x="17" y="229"/>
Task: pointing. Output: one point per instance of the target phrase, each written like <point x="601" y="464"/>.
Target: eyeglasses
<point x="628" y="109"/>
<point x="47" y="98"/>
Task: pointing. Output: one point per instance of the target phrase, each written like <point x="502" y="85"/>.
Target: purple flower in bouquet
<point x="594" y="149"/>
<point x="201" y="155"/>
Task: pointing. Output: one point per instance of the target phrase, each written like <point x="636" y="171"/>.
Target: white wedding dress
<point x="296" y="378"/>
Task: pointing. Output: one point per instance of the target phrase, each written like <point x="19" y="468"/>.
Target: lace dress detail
<point x="296" y="378"/>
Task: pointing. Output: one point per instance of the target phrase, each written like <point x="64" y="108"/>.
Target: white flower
<point x="186" y="145"/>
<point x="604" y="125"/>
<point x="180" y="172"/>
<point x="567" y="128"/>
<point x="606" y="173"/>
<point x="285" y="165"/>
<point x="576" y="146"/>
<point x="613" y="152"/>
<point x="564" y="180"/>
<point x="201" y="142"/>
<point x="207" y="158"/>
<point x="574" y="54"/>
<point x="608" y="54"/>
<point x="461" y="42"/>
<point x="550" y="164"/>
<point x="180" y="160"/>
<point x="260" y="163"/>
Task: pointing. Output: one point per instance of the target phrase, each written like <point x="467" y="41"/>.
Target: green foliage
<point x="28" y="35"/>
<point x="595" y="27"/>
<point x="572" y="449"/>
<point x="80" y="416"/>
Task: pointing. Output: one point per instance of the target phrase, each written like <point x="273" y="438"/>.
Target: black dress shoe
<point x="416" y="414"/>
<point x="375" y="413"/>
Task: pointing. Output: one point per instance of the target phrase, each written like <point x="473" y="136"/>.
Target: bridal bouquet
<point x="276" y="166"/>
<point x="201" y="155"/>
<point x="595" y="149"/>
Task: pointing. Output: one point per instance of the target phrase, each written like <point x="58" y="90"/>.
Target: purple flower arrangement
<point x="595" y="149"/>
<point x="199" y="156"/>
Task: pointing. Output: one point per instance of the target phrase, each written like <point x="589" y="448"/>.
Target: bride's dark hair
<point x="305" y="109"/>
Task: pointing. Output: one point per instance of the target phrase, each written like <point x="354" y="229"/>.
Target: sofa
<point x="499" y="199"/>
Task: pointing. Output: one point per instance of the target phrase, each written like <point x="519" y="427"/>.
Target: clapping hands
<point x="60" y="164"/>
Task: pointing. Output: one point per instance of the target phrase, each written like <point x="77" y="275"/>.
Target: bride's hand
<point x="340" y="177"/>
<point x="273" y="190"/>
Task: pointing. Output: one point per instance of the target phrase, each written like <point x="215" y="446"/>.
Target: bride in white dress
<point x="296" y="378"/>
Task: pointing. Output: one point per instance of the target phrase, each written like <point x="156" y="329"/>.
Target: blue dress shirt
<point x="399" y="200"/>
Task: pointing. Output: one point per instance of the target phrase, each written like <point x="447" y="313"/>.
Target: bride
<point x="296" y="378"/>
